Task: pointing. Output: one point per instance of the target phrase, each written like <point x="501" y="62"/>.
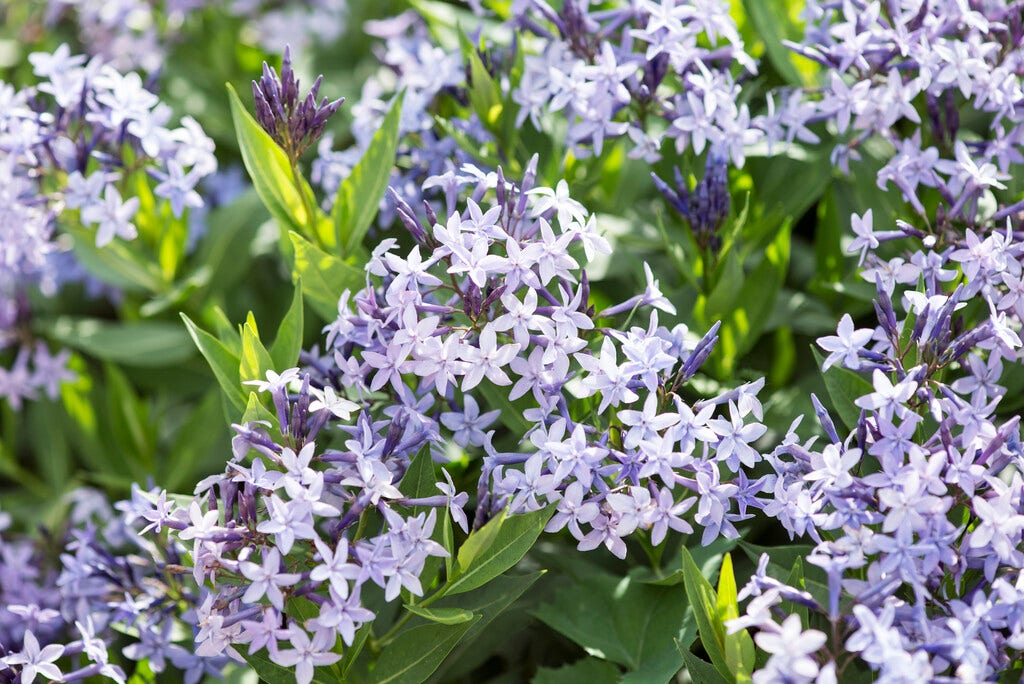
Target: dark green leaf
<point x="844" y="387"/>
<point x="583" y="671"/>
<point x="489" y="601"/>
<point x="624" y="621"/>
<point x="700" y="671"/>
<point x="415" y="653"/>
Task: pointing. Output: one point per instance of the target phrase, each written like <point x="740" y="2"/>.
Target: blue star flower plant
<point x="482" y="397"/>
<point x="335" y="497"/>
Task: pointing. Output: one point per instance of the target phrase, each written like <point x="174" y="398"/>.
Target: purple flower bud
<point x="294" y="124"/>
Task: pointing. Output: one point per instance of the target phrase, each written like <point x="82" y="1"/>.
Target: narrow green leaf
<point x="255" y="360"/>
<point x="416" y="653"/>
<point x="359" y="195"/>
<point x="770" y="21"/>
<point x="484" y="93"/>
<point x="700" y="671"/>
<point x="738" y="647"/>
<point x="222" y="361"/>
<point x="705" y="609"/>
<point x="324" y="276"/>
<point x="130" y="343"/>
<point x="442" y="616"/>
<point x="284" y="352"/>
<point x="498" y="552"/>
<point x="268" y="168"/>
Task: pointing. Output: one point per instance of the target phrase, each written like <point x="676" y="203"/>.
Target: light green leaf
<point x="492" y="553"/>
<point x="359" y="195"/>
<point x="117" y="263"/>
<point x="269" y="169"/>
<point x="738" y="647"/>
<point x="284" y="352"/>
<point x="771" y="22"/>
<point x="255" y="360"/>
<point x="443" y="616"/>
<point x="416" y="653"/>
<point x="705" y="610"/>
<point x="324" y="276"/>
<point x="222" y="361"/>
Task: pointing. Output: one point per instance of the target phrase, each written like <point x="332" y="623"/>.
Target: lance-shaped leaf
<point x="359" y="195"/>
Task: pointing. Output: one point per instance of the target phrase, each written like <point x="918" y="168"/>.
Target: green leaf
<point x="784" y="556"/>
<point x="416" y="653"/>
<point x="583" y="671"/>
<point x="622" y="620"/>
<point x="492" y="553"/>
<point x="844" y="387"/>
<point x="511" y="415"/>
<point x="117" y="263"/>
<point x="222" y="361"/>
<point x="770" y="21"/>
<point x="269" y="168"/>
<point x="359" y="195"/>
<point x="700" y="671"/>
<point x="443" y="616"/>
<point x="484" y="93"/>
<point x="742" y="327"/>
<point x="420" y="480"/>
<point x="284" y="352"/>
<point x="130" y="343"/>
<point x="324" y="276"/>
<point x="705" y="610"/>
<point x="272" y="673"/>
<point x="489" y="601"/>
<point x="255" y="360"/>
<point x="738" y="646"/>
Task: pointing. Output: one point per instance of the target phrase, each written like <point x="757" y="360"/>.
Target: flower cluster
<point x="918" y="511"/>
<point x="62" y="621"/>
<point x="73" y="150"/>
<point x="492" y="304"/>
<point x="288" y="525"/>
<point x="139" y="34"/>
<point x="916" y="76"/>
<point x="653" y="71"/>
